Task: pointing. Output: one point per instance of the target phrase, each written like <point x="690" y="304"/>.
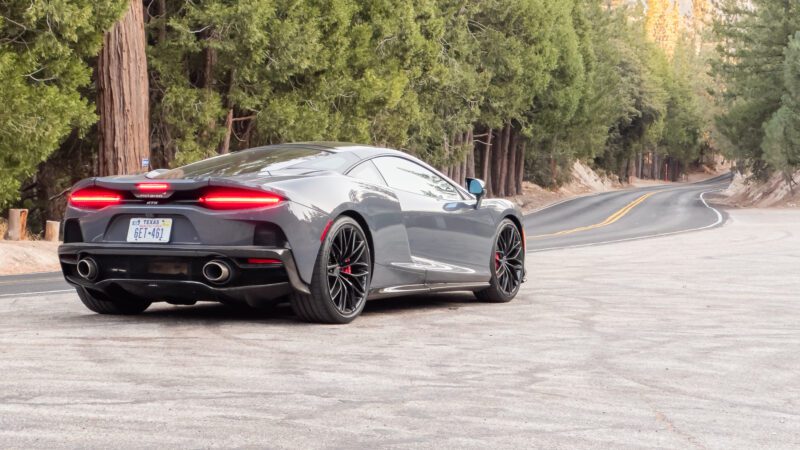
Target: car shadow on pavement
<point x="397" y="305"/>
<point x="281" y="314"/>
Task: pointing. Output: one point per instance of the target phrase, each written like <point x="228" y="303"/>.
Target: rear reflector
<point x="263" y="261"/>
<point x="228" y="198"/>
<point x="153" y="187"/>
<point x="94" y="198"/>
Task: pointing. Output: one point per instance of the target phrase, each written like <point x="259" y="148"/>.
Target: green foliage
<point x="782" y="133"/>
<point x="575" y="80"/>
<point x="753" y="36"/>
<point x="43" y="50"/>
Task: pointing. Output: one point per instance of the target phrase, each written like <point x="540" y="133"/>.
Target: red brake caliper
<point x="347" y="269"/>
<point x="496" y="260"/>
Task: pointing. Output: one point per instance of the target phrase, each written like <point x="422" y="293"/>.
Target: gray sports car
<point x="326" y="225"/>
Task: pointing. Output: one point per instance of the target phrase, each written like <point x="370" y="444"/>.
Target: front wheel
<point x="507" y="265"/>
<point x="341" y="279"/>
<point x="103" y="305"/>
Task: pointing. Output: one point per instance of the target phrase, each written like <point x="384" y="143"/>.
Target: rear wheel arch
<point x="365" y="227"/>
<point x="517" y="222"/>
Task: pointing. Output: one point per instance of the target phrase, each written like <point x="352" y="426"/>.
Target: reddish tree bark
<point x="123" y="97"/>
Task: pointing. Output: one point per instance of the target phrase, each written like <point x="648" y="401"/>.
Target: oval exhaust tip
<point x="87" y="269"/>
<point x="217" y="272"/>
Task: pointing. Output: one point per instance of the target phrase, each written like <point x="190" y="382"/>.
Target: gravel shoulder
<point x="683" y="341"/>
<point x="18" y="257"/>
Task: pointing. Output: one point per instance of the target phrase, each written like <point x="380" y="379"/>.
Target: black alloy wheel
<point x="348" y="269"/>
<point x="507" y="265"/>
<point x="340" y="283"/>
<point x="508" y="258"/>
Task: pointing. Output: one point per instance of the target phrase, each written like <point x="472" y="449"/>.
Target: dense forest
<point x="506" y="90"/>
<point x="758" y="65"/>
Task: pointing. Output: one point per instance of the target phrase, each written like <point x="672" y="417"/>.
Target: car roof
<point x="361" y="151"/>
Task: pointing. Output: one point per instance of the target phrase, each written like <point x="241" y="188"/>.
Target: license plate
<point x="149" y="230"/>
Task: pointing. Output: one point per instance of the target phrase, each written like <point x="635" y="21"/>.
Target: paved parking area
<point x="685" y="341"/>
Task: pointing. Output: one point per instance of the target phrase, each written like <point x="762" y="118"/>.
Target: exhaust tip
<point x="217" y="272"/>
<point x="87" y="269"/>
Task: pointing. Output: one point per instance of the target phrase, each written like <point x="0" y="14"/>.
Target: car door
<point x="447" y="234"/>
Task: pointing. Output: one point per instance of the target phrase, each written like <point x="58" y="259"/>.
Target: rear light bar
<point x="232" y="198"/>
<point x="94" y="198"/>
<point x="153" y="187"/>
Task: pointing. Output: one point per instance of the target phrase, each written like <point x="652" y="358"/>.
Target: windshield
<point x="262" y="161"/>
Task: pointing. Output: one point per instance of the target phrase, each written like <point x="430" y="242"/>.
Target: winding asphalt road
<point x="626" y="215"/>
<point x="590" y="220"/>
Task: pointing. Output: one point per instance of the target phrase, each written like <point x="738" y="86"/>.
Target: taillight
<point x="231" y="198"/>
<point x="153" y="187"/>
<point x="94" y="198"/>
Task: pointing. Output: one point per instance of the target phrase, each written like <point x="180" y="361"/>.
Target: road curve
<point x="625" y="215"/>
<point x="595" y="219"/>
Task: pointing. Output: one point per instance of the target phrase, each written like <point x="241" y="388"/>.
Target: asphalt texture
<point x="683" y="341"/>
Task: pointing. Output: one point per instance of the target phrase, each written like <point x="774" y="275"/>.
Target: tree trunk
<point x="486" y="157"/>
<point x="628" y="169"/>
<point x="162" y="14"/>
<point x="520" y="166"/>
<point x="639" y="162"/>
<point x="499" y="162"/>
<point x="470" y="155"/>
<point x="457" y="164"/>
<point x="123" y="97"/>
<point x="511" y="164"/>
<point x="497" y="148"/>
<point x="225" y="147"/>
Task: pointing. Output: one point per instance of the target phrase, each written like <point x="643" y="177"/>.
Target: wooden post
<point x="51" y="230"/>
<point x="17" y="223"/>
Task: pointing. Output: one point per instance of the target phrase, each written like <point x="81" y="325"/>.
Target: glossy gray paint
<point x="416" y="240"/>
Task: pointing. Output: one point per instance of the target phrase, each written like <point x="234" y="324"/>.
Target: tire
<point x="507" y="265"/>
<point x="126" y="307"/>
<point x="341" y="279"/>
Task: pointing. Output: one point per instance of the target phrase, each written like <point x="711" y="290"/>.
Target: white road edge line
<point x="21" y="294"/>
<point x="720" y="218"/>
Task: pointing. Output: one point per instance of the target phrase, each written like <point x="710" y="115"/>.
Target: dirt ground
<point x="773" y="193"/>
<point x="28" y="257"/>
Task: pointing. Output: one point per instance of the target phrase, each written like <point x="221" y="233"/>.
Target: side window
<point x="407" y="176"/>
<point x="366" y="171"/>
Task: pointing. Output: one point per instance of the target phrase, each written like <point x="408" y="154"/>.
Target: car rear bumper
<point x="174" y="273"/>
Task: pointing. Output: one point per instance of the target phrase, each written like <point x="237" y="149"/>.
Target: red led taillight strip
<point x="153" y="187"/>
<point x="94" y="198"/>
<point x="238" y="199"/>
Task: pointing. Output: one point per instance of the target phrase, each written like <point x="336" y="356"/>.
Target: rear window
<point x="262" y="160"/>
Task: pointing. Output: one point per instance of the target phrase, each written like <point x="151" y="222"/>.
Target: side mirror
<point x="477" y="188"/>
